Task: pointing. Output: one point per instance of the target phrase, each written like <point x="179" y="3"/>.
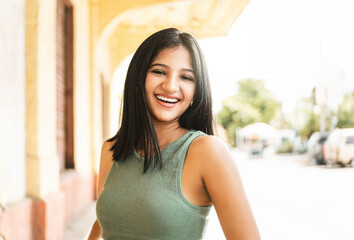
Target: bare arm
<point x="224" y="186"/>
<point x="105" y="166"/>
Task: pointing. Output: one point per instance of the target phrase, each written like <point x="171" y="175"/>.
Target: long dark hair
<point x="137" y="128"/>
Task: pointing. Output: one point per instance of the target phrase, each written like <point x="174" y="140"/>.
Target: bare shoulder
<point x="105" y="164"/>
<point x="209" y="141"/>
<point x="106" y="157"/>
<point x="223" y="183"/>
<point x="210" y="148"/>
<point x="106" y="149"/>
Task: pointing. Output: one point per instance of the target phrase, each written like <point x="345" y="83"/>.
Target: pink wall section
<point x="33" y="219"/>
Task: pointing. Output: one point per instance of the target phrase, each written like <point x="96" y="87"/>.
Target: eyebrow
<point x="165" y="66"/>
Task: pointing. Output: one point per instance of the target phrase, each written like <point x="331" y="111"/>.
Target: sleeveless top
<point x="148" y="206"/>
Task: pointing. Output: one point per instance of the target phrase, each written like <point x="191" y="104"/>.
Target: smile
<point x="166" y="99"/>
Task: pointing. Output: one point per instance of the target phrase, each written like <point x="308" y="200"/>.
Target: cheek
<point x="192" y="91"/>
<point x="148" y="87"/>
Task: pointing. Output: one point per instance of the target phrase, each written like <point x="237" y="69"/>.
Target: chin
<point x="166" y="119"/>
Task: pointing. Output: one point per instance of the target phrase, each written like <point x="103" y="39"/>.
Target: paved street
<point x="293" y="200"/>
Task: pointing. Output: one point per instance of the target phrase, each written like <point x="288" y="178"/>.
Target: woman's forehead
<point x="173" y="57"/>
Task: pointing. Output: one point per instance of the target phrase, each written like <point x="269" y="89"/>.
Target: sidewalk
<point x="79" y="227"/>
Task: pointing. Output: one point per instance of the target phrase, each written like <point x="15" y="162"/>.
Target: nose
<point x="170" y="84"/>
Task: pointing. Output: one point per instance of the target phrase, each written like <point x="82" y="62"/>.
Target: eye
<point x="188" y="78"/>
<point x="158" y="72"/>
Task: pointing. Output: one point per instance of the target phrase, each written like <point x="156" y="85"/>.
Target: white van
<point x="339" y="147"/>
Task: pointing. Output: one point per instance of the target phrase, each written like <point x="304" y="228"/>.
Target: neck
<point x="168" y="133"/>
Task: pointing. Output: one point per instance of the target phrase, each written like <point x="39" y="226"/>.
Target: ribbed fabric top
<point x="150" y="206"/>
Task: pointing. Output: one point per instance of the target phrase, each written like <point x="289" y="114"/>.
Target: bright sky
<point x="292" y="45"/>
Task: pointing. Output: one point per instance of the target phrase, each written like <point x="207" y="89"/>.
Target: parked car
<point x="315" y="147"/>
<point x="339" y="147"/>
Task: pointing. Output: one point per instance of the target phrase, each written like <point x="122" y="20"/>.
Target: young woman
<point x="163" y="170"/>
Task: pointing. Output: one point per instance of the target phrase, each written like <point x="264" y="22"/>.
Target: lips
<point x="167" y="99"/>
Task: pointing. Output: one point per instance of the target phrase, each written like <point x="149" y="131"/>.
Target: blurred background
<point x="282" y="76"/>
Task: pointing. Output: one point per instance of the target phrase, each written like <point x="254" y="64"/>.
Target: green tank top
<point x="148" y="206"/>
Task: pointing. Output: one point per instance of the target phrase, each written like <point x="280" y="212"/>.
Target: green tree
<point x="252" y="103"/>
<point x="310" y="112"/>
<point x="345" y="113"/>
<point x="312" y="118"/>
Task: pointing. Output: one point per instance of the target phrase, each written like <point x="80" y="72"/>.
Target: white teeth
<point x="171" y="100"/>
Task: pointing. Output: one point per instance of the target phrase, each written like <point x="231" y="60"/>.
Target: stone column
<point x="82" y="89"/>
<point x="41" y="147"/>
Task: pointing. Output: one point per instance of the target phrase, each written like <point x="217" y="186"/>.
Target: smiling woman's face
<point x="170" y="84"/>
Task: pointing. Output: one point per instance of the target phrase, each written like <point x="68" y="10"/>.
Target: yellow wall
<point x="41" y="148"/>
<point x="42" y="163"/>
